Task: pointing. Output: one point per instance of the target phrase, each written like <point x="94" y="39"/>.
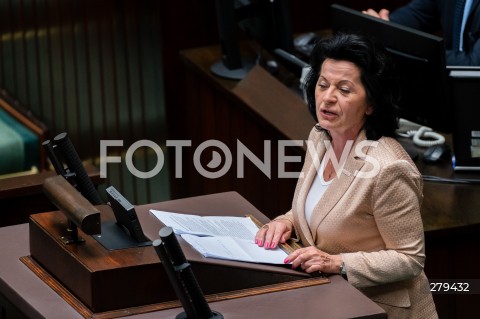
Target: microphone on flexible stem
<point x="70" y="155"/>
<point x="182" y="278"/>
<point x="57" y="164"/>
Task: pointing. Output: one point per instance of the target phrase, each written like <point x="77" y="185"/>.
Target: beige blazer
<point x="370" y="214"/>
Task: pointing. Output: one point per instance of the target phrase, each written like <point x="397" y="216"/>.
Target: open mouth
<point x="327" y="112"/>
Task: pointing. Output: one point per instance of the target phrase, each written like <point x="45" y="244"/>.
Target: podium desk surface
<point x="27" y="292"/>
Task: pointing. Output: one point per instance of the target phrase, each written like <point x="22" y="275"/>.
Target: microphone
<point x="74" y="164"/>
<point x="182" y="278"/>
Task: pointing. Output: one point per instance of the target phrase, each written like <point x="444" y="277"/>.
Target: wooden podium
<point x="97" y="280"/>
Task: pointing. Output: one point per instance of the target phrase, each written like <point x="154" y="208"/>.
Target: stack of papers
<point x="223" y="237"/>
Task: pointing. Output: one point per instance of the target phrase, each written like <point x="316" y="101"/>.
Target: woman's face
<point x="340" y="98"/>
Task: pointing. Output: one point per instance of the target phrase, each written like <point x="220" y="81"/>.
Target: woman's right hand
<point x="273" y="233"/>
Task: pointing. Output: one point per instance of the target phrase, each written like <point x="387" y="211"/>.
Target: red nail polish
<point x="286" y="261"/>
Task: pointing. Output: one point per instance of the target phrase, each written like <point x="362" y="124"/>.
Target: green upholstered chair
<point x="21" y="136"/>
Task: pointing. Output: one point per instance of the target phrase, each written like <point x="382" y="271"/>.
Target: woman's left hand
<point x="312" y="259"/>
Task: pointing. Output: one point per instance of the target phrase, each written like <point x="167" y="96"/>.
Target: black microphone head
<point x="156" y="243"/>
<point x="165" y="232"/>
<point x="60" y="136"/>
<point x="172" y="246"/>
<point x="74" y="164"/>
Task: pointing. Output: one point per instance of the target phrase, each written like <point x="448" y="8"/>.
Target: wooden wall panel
<point x="108" y="69"/>
<point x="93" y="69"/>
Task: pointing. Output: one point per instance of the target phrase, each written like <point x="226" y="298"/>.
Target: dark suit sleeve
<point x="471" y="41"/>
<point x="426" y="15"/>
<point x="471" y="58"/>
<point x="419" y="14"/>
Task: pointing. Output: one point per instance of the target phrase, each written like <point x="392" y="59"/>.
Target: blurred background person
<point x="457" y="20"/>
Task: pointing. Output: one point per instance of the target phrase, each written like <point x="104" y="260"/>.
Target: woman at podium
<point x="356" y="207"/>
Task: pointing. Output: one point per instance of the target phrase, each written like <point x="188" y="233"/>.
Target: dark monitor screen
<point x="420" y="62"/>
<point x="265" y="22"/>
<point x="464" y="83"/>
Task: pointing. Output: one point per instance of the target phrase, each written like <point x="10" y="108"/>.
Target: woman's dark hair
<point x="376" y="73"/>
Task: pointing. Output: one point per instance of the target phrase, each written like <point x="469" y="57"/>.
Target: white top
<point x="319" y="186"/>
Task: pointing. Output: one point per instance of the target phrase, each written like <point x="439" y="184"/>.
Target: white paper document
<point x="224" y="237"/>
<point x="232" y="248"/>
<point x="231" y="226"/>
